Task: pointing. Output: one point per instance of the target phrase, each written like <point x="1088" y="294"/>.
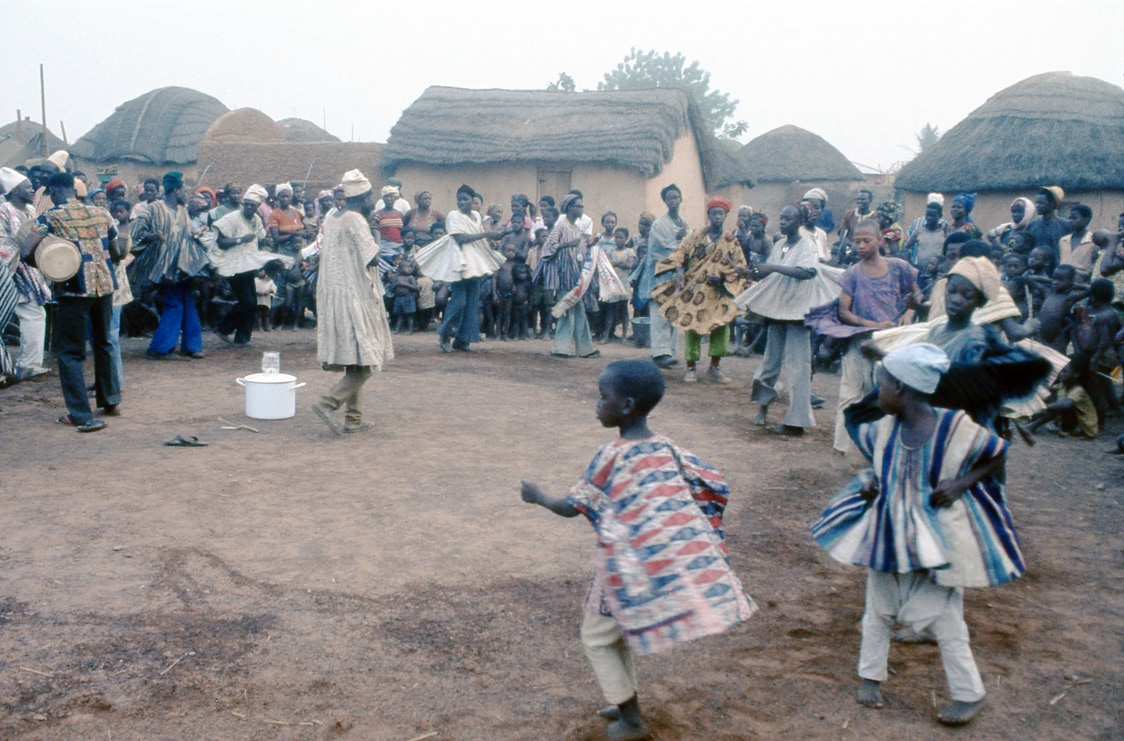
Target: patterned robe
<point x="701" y="307"/>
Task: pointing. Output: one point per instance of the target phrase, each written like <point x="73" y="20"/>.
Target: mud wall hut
<point x="619" y="148"/>
<point x="1050" y="129"/>
<point x="21" y="141"/>
<point x="788" y="161"/>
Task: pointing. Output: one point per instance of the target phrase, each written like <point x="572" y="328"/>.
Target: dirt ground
<point x="391" y="585"/>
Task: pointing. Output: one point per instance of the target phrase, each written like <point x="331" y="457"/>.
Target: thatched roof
<point x="790" y="153"/>
<point x="161" y="126"/>
<point x="14" y="152"/>
<point x="246" y="125"/>
<point x="1050" y="129"/>
<point x="303" y="130"/>
<point x="633" y="129"/>
<point x="278" y="162"/>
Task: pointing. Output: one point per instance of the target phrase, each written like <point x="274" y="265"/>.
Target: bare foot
<point x="762" y="415"/>
<point x="870" y="694"/>
<point x="959" y="713"/>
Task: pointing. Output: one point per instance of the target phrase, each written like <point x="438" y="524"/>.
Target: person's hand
<point x="682" y="233"/>
<point x="714" y="280"/>
<point x="869" y="491"/>
<point x="760" y="271"/>
<point x="946" y="492"/>
<point x="871" y="351"/>
<point x="531" y="492"/>
<point x="1031" y="325"/>
<point x="883" y="325"/>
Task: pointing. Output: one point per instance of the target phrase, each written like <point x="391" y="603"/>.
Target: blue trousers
<point x="462" y="313"/>
<point x="179" y="316"/>
<point x="74" y="316"/>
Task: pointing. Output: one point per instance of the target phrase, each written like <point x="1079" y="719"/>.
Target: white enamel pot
<point x="270" y="395"/>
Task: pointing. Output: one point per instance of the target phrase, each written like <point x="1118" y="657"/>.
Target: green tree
<point x="646" y="69"/>
<point x="927" y="137"/>
<point x="564" y="84"/>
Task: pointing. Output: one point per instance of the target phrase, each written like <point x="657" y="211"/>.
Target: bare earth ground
<point x="290" y="585"/>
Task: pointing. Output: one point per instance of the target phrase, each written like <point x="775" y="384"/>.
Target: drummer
<point x="87" y="298"/>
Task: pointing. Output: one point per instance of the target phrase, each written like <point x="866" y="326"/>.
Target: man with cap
<point x="700" y="301"/>
<point x="928" y="520"/>
<point x="1048" y="228"/>
<point x="816" y="200"/>
<point x="33" y="291"/>
<point x="238" y="259"/>
<point x="171" y="261"/>
<point x="352" y="332"/>
<point x="85" y="302"/>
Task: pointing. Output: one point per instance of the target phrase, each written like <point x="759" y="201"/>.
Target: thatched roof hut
<point x="324" y="163"/>
<point x="244" y="125"/>
<point x="789" y="153"/>
<point x="163" y="126"/>
<point x="21" y="141"/>
<point x="1050" y="129"/>
<point x="303" y="130"/>
<point x="540" y="142"/>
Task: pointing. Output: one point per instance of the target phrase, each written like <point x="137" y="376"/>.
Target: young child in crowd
<point x="266" y="290"/>
<point x="622" y="256"/>
<point x="928" y="519"/>
<point x="521" y="301"/>
<point x="678" y="585"/>
<point x="1054" y="316"/>
<point x="518" y="237"/>
<point x="1094" y="339"/>
<point x="503" y="292"/>
<point x="542" y="300"/>
<point x="404" y="286"/>
<point x="1072" y="406"/>
<point x="409" y="239"/>
<point x="427" y="302"/>
<point x="1026" y="294"/>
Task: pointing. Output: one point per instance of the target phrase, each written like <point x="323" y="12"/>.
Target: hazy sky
<point x="866" y="75"/>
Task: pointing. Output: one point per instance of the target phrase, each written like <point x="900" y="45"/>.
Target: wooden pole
<point x="43" y="103"/>
<point x="19" y="126"/>
<point x="62" y="127"/>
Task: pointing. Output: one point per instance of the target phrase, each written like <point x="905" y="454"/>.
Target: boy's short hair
<point x="955" y="238"/>
<point x="1065" y="271"/>
<point x="1027" y="237"/>
<point x="1101" y="290"/>
<point x="408" y="230"/>
<point x="1083" y="210"/>
<point x="639" y="380"/>
<point x="119" y="203"/>
<point x="551" y="210"/>
<point x="975" y="248"/>
<point x="541" y="230"/>
<point x="621" y="230"/>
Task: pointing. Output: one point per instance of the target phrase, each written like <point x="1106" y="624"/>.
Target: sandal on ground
<point x="361" y="427"/>
<point x="787" y="430"/>
<point x="92" y="426"/>
<point x="190" y="441"/>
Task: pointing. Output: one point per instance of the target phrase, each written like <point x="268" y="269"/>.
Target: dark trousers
<point x="240" y="319"/>
<point x="462" y="313"/>
<point x="74" y="316"/>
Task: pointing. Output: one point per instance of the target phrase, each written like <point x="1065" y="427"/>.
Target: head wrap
<point x="59" y="159"/>
<point x="936" y="198"/>
<point x="981" y="273"/>
<point x="95" y="191"/>
<point x="115" y="183"/>
<point x="201" y="198"/>
<point x="919" y="366"/>
<point x="466" y="189"/>
<point x="745" y="207"/>
<point x="355" y="184"/>
<point x="967" y="200"/>
<point x="719" y="202"/>
<point x="760" y="216"/>
<point x="1029" y="211"/>
<point x="10" y="178"/>
<point x="818" y="194"/>
<point x="210" y="193"/>
<point x="567" y="201"/>
<point x="1055" y="192"/>
<point x="80" y="189"/>
<point x="172" y="179"/>
<point x="420" y="193"/>
<point x="890" y="210"/>
<point x="255" y="193"/>
<point x="389" y="190"/>
<point x="395" y="182"/>
<point x="521" y="200"/>
<point x="667" y="189"/>
<point x="651" y="217"/>
<point x="283" y="188"/>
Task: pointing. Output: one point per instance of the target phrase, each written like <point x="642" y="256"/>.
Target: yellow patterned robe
<point x="700" y="307"/>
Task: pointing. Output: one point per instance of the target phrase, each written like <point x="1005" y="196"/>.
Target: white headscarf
<point x="282" y="187"/>
<point x="255" y="193"/>
<point x="355" y="184"/>
<point x="936" y="198"/>
<point x="919" y="366"/>
<point x="10" y="178"/>
<point x="818" y="194"/>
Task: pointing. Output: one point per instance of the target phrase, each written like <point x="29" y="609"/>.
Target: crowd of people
<point x="949" y="340"/>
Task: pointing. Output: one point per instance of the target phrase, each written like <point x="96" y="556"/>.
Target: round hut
<point x="244" y="125"/>
<point x="303" y="130"/>
<point x="1050" y="129"/>
<point x="787" y="161"/>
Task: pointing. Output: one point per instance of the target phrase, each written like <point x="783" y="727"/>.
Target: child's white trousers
<point x="610" y="656"/>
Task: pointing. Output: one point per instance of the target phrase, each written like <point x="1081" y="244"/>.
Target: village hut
<point x="246" y="146"/>
<point x="21" y="141"/>
<point x="1050" y="129"/>
<point x="619" y="148"/>
<point x="303" y="130"/>
<point x="788" y="161"/>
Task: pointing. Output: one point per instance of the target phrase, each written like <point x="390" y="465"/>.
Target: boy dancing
<point x="661" y="573"/>
<point x="928" y="519"/>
